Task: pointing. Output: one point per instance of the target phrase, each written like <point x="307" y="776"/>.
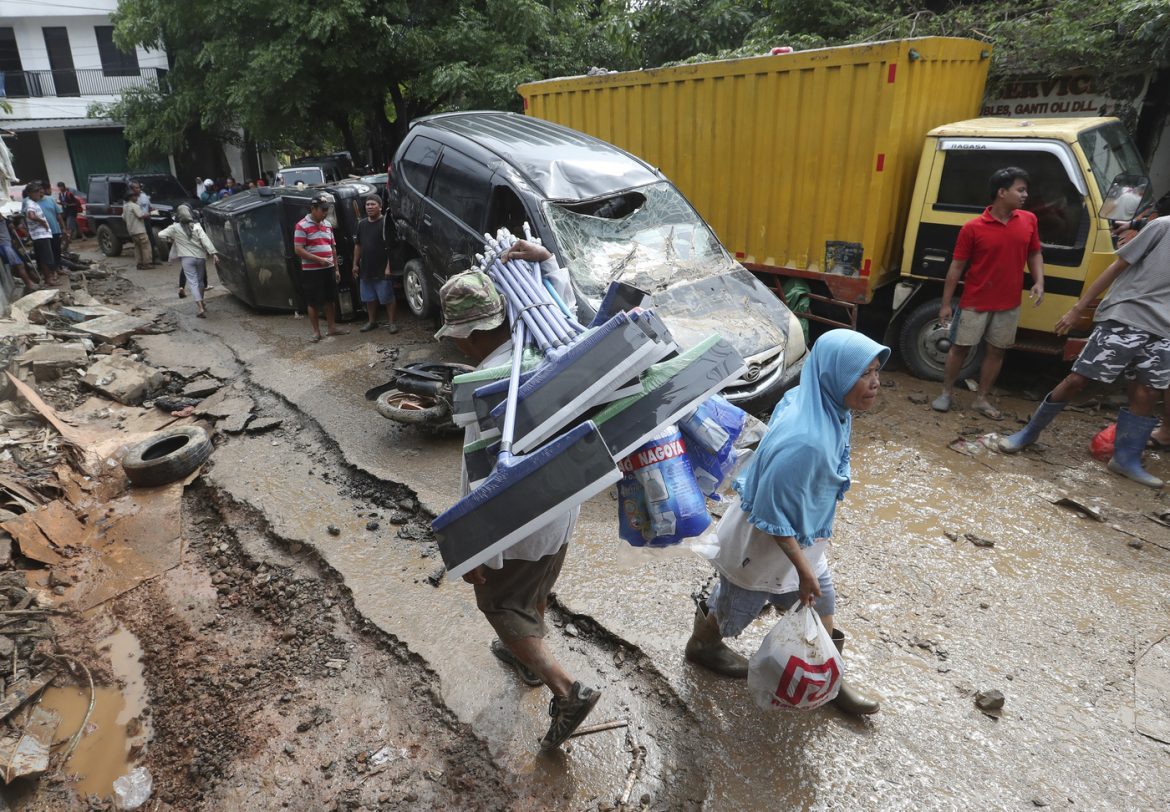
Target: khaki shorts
<point x="997" y="327"/>
<point x="514" y="597"/>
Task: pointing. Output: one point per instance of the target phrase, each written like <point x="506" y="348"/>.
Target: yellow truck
<point x="854" y="167"/>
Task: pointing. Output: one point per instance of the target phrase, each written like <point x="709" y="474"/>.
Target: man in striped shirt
<point x="313" y="243"/>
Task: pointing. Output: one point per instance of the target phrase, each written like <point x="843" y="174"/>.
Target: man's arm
<point x="1099" y="285"/>
<point x="1036" y="267"/>
<point x="954" y="274"/>
<point x="357" y="257"/>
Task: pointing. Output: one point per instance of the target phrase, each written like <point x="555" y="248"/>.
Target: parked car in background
<point x="253" y="233"/>
<point x="607" y="216"/>
<point x="107" y="193"/>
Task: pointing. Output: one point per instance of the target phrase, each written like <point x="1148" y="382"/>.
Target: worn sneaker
<point x="369" y="325"/>
<point x="505" y="655"/>
<point x="942" y="403"/>
<point x="568" y="712"/>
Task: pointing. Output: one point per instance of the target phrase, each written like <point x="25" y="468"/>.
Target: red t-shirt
<point x="997" y="255"/>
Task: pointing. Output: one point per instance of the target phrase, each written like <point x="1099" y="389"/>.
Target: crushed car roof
<point x="561" y="164"/>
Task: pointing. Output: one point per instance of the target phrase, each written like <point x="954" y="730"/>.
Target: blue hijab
<point x="801" y="468"/>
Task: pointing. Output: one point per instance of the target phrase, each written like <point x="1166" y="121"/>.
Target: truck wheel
<point x="417" y="288"/>
<point x="924" y="344"/>
<point x="108" y="241"/>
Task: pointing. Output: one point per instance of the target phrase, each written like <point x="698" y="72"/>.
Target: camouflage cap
<point x="469" y="302"/>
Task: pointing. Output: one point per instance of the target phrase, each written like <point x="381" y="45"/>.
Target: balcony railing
<point x="31" y="84"/>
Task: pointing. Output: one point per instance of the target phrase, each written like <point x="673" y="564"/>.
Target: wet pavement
<point x="1053" y="615"/>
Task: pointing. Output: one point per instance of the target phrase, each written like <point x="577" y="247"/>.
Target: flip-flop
<point x="315" y="339"/>
<point x="1157" y="445"/>
<point x="338" y="333"/>
<point x="988" y="411"/>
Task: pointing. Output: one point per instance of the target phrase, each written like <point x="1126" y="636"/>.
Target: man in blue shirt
<point x="56" y="220"/>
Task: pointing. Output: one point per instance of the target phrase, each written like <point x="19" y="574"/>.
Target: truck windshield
<point x="308" y="175"/>
<point x="1111" y="152"/>
<point x="649" y="237"/>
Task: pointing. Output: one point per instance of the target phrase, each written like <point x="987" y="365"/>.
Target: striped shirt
<point x="317" y="239"/>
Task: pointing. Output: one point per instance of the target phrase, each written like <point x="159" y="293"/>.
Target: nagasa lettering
<point x="649" y="456"/>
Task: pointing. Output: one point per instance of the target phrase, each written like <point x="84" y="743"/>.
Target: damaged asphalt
<point x="1055" y="615"/>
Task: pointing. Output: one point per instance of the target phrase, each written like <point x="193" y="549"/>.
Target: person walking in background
<point x="371" y="267"/>
<point x="1131" y="333"/>
<point x="993" y="249"/>
<point x="313" y="243"/>
<point x="40" y="233"/>
<point x="147" y="206"/>
<point x="135" y="220"/>
<point x="208" y="194"/>
<point x="772" y="543"/>
<point x="193" y="247"/>
<point x="11" y="258"/>
<point x="70" y="207"/>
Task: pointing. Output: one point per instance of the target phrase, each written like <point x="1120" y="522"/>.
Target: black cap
<point x="321" y="201"/>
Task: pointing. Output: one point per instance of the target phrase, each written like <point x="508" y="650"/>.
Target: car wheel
<point x="924" y="343"/>
<point x="417" y="288"/>
<point x="167" y="456"/>
<point x="108" y="241"/>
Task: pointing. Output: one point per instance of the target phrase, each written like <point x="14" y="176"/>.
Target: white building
<point x="56" y="59"/>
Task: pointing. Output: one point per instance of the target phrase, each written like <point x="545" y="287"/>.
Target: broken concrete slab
<point x="87" y="312"/>
<point x="114" y="329"/>
<point x="263" y="424"/>
<point x="123" y="379"/>
<point x="236" y="423"/>
<point x="222" y="404"/>
<point x="19" y="329"/>
<point x="201" y="388"/>
<point x="49" y="360"/>
<point x="25" y="308"/>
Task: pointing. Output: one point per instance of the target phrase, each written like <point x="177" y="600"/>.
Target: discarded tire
<point x="167" y="456"/>
<point x="414" y="410"/>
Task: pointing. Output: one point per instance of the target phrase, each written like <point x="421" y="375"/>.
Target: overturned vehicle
<point x="253" y="232"/>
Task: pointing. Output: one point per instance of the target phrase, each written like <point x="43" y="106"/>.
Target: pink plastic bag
<point x="1102" y="445"/>
<point x="797" y="666"/>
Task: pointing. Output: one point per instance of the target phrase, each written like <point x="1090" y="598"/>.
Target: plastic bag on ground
<point x="1101" y="447"/>
<point x="797" y="666"/>
<point x="133" y="789"/>
<point x="659" y="502"/>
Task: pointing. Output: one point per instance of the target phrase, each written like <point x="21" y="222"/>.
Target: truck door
<point x="454" y="215"/>
<point x="957" y="190"/>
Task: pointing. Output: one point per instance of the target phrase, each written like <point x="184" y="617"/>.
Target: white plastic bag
<point x="133" y="789"/>
<point x="797" y="666"/>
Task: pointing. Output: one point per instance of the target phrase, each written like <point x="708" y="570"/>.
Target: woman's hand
<point x="810" y="587"/>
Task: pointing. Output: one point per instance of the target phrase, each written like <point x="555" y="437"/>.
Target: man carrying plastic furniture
<point x="512" y="589"/>
<point x="1131" y="333"/>
<point x="993" y="250"/>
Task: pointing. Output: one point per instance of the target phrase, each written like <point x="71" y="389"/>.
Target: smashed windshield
<point x="1111" y="152"/>
<point x="648" y="237"/>
<point x="309" y="176"/>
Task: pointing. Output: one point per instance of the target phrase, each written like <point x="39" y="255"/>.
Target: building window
<point x="115" y="62"/>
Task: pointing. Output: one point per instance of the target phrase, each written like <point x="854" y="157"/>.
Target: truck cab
<point x="1073" y="163"/>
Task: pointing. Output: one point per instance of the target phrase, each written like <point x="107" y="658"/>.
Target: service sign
<point x="1051" y="97"/>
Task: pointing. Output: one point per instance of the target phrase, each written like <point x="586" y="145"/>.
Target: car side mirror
<point x="1125" y="196"/>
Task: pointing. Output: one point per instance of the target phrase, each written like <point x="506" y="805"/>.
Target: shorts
<point x="8" y="254"/>
<point x="56" y="241"/>
<point x="998" y="327"/>
<point x="318" y="287"/>
<point x="736" y="607"/>
<point x="380" y="289"/>
<point x="43" y="251"/>
<point x="1114" y="348"/>
<point x="513" y="598"/>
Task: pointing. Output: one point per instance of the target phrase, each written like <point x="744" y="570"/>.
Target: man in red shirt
<point x="993" y="249"/>
<point x="313" y="244"/>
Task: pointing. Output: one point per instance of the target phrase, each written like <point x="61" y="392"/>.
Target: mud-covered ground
<point x="288" y="667"/>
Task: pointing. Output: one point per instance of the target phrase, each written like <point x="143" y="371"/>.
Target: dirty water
<point x="117" y="726"/>
<point x="1048" y="615"/>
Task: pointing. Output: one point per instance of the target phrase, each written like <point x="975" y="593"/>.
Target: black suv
<point x="605" y="214"/>
<point x="107" y="193"/>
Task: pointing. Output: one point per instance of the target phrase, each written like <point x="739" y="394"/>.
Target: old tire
<point x="417" y="288"/>
<point x="413" y="410"/>
<point x="167" y="456"/>
<point x="924" y="344"/>
<point x="109" y="242"/>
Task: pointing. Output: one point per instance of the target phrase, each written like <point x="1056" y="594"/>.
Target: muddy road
<point x="1054" y="614"/>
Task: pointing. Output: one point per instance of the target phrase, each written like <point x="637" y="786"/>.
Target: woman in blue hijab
<point x="772" y="542"/>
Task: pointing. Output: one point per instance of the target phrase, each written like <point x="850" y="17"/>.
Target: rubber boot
<point x="1031" y="432"/>
<point x="1133" y="432"/>
<point x="706" y="648"/>
<point x="849" y="700"/>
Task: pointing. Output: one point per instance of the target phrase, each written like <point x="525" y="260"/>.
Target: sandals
<point x="505" y="655"/>
<point x="314" y="339"/>
<point x="987" y="410"/>
<point x="1157" y="445"/>
<point x="338" y="333"/>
